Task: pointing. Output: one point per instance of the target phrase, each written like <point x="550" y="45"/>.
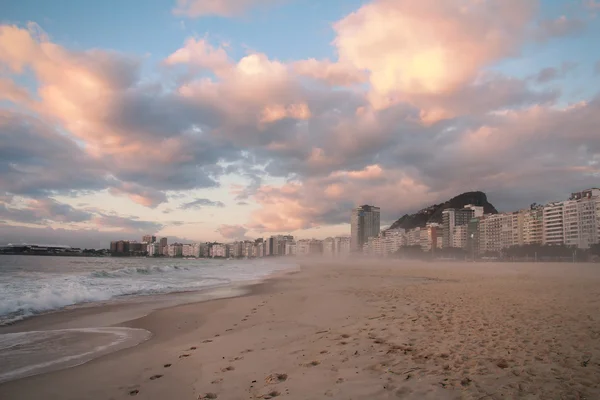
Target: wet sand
<point x="368" y="330"/>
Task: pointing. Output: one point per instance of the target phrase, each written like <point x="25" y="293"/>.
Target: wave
<point x="27" y="293"/>
<point x="147" y="270"/>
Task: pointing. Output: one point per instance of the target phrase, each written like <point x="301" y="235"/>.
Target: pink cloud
<point x="199" y="53"/>
<point x="224" y="8"/>
<point x="428" y="47"/>
<point x="336" y="74"/>
<point x="237" y="232"/>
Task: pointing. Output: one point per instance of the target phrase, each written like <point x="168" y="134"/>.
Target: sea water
<point x="32" y="285"/>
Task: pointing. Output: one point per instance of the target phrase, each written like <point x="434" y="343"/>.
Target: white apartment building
<point x="459" y="237"/>
<point x="413" y="237"/>
<point x="191" y="250"/>
<point x="303" y="247"/>
<point x="499" y="231"/>
<point x="329" y="248"/>
<point x="175" y="250"/>
<point x="290" y="248"/>
<point x="218" y="250"/>
<point x="553" y="224"/>
<point x="341" y="246"/>
<point x="153" y="249"/>
<point x="532" y="225"/>
<point x="393" y="240"/>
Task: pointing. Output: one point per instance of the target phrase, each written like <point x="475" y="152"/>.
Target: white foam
<point x="12" y="343"/>
<point x="26" y="293"/>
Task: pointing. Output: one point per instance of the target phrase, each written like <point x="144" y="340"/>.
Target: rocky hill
<point x="434" y="213"/>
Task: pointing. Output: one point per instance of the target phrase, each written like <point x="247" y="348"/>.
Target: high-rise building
<point x="163" y="246"/>
<point x="452" y="218"/>
<point x="149" y="239"/>
<point x="532" y="224"/>
<point x="553" y="223"/>
<point x="364" y="224"/>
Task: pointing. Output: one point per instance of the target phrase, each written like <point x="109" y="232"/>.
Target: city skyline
<point x="259" y="118"/>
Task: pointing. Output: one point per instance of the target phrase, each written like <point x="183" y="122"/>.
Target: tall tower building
<point x="364" y="224"/>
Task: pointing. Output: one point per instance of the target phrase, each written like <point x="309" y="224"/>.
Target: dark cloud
<point x="35" y="160"/>
<point x="552" y="73"/>
<point x="200" y="203"/>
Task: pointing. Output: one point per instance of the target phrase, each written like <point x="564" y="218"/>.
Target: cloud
<point x="144" y="196"/>
<point x="549" y="74"/>
<point x="200" y="203"/>
<point x="139" y="139"/>
<point x="561" y="26"/>
<point x="126" y="224"/>
<point x="336" y="74"/>
<point x="43" y="211"/>
<point x="597" y="68"/>
<point x="428" y="47"/>
<point x="199" y="53"/>
<point x="236" y="232"/>
<point x="223" y="8"/>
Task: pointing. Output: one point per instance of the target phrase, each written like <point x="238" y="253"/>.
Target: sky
<point x="220" y="120"/>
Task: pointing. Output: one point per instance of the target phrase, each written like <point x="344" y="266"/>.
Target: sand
<point x="363" y="330"/>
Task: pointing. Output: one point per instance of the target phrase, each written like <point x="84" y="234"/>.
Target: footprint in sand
<point x="184" y="355"/>
<point x="226" y="369"/>
<point x="166" y="365"/>
<point x="272" y="394"/>
<point x="134" y="392"/>
<point x="154" y="377"/>
<point x="207" y="341"/>
<point x="209" y="396"/>
<point x="193" y="348"/>
<point x="275" y="378"/>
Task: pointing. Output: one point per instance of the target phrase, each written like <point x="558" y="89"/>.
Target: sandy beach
<point x="361" y="330"/>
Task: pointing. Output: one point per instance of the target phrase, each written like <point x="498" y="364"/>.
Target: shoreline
<point x="362" y="331"/>
<point x="123" y="313"/>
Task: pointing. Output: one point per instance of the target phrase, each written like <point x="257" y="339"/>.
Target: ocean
<point x="32" y="285"/>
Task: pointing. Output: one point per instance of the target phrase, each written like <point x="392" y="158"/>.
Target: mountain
<point x="434" y="213"/>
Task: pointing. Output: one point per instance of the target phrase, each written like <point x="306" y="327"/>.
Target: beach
<point x="355" y="330"/>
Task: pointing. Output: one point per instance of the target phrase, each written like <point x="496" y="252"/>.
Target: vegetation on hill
<point x="434" y="213"/>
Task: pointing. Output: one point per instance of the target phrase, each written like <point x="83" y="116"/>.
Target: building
<point x="553" y="224"/>
<point x="532" y="221"/>
<point x="163" y="246"/>
<point x="290" y="248"/>
<point x="191" y="250"/>
<point x="473" y="230"/>
<point x="119" y="247"/>
<point x="393" y="239"/>
<point x="452" y="217"/>
<point x="153" y="249"/>
<point x="499" y="231"/>
<point x="309" y="247"/>
<point x="582" y="219"/>
<point x="218" y="250"/>
<point x="175" y="250"/>
<point x="329" y="248"/>
<point x="149" y="239"/>
<point x="341" y="246"/>
<point x="459" y="236"/>
<point x="364" y="224"/>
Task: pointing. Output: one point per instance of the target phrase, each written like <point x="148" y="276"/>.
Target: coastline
<point x="362" y="330"/>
